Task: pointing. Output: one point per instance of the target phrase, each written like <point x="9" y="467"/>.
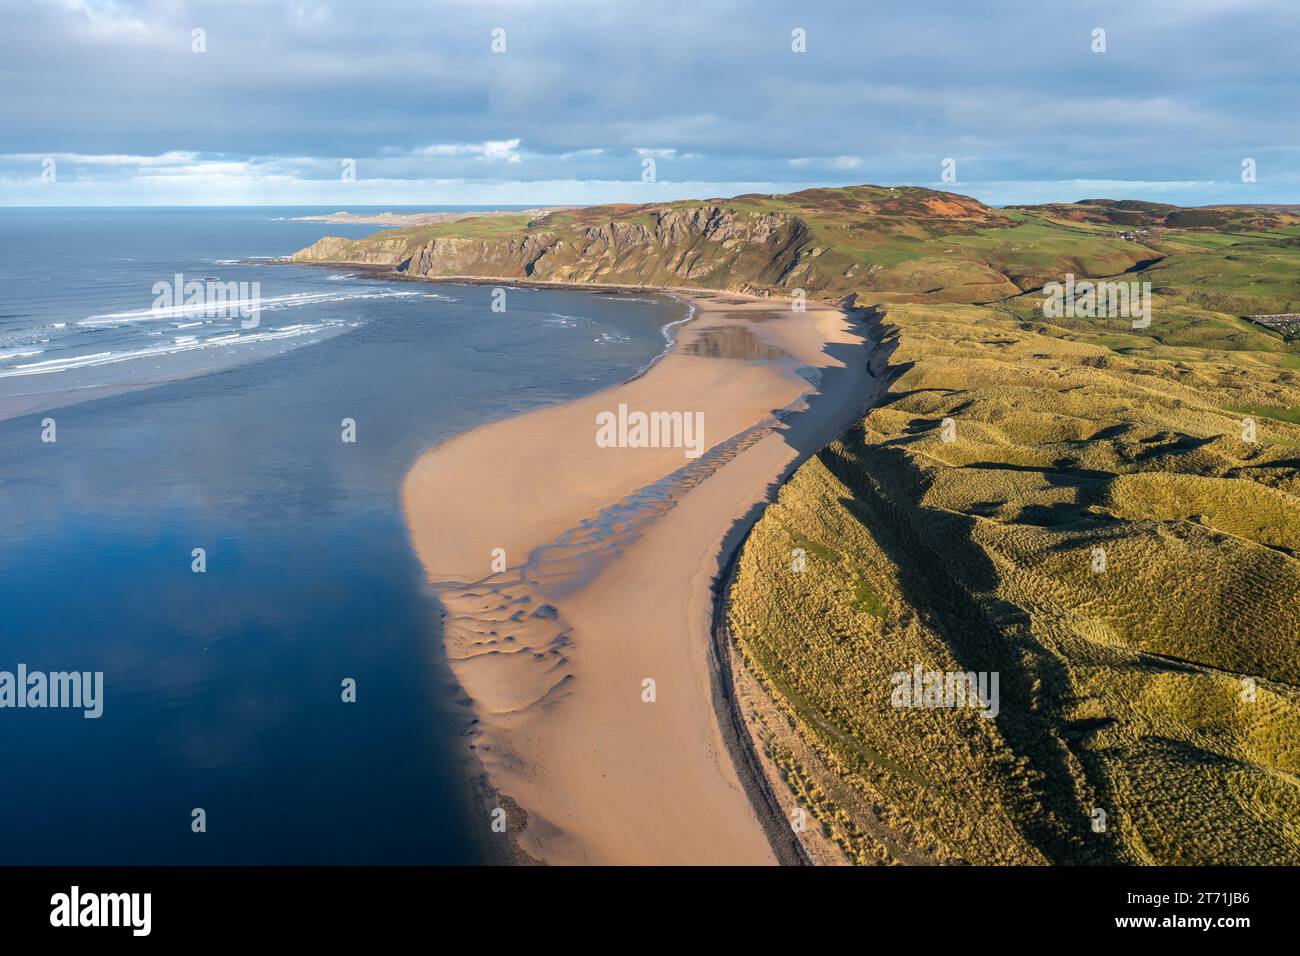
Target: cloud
<point x="505" y="150"/>
<point x="114" y="92"/>
<point x="105" y="159"/>
<point x="102" y="18"/>
<point x="826" y="162"/>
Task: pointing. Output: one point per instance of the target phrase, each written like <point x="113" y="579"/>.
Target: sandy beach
<point x="577" y="576"/>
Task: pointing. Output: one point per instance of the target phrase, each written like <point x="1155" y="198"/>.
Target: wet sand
<point x="610" y="556"/>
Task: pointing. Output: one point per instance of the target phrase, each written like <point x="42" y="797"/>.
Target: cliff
<point x="879" y="244"/>
<point x="917" y="244"/>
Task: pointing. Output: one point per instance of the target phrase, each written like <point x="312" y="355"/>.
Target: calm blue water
<point x="222" y="689"/>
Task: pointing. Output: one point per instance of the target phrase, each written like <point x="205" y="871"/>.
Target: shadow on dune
<point x="841" y="399"/>
<point x="949" y="580"/>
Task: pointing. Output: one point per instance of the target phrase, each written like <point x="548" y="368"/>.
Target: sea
<point x="205" y="508"/>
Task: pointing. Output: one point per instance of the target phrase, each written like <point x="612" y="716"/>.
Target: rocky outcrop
<point x="374" y="250"/>
<point x="454" y="256"/>
<point x="708" y="245"/>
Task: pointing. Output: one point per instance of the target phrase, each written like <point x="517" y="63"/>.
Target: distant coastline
<point x="414" y="218"/>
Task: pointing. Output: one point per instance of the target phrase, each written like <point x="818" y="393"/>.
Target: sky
<point x="527" y="102"/>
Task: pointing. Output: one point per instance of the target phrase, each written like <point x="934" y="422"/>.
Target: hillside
<point x="906" y="244"/>
<point x="1162" y="691"/>
<point x="874" y="243"/>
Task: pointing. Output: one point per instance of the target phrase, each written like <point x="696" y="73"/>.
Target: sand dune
<point x="611" y="552"/>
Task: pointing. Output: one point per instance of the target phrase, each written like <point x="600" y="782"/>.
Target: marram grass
<point x="1161" y="691"/>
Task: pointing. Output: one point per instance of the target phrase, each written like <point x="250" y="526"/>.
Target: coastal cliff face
<point x="371" y="251"/>
<point x="869" y="243"/>
<point x="706" y="246"/>
<point x="911" y="244"/>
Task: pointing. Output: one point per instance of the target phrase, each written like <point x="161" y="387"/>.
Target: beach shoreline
<point x="524" y="675"/>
